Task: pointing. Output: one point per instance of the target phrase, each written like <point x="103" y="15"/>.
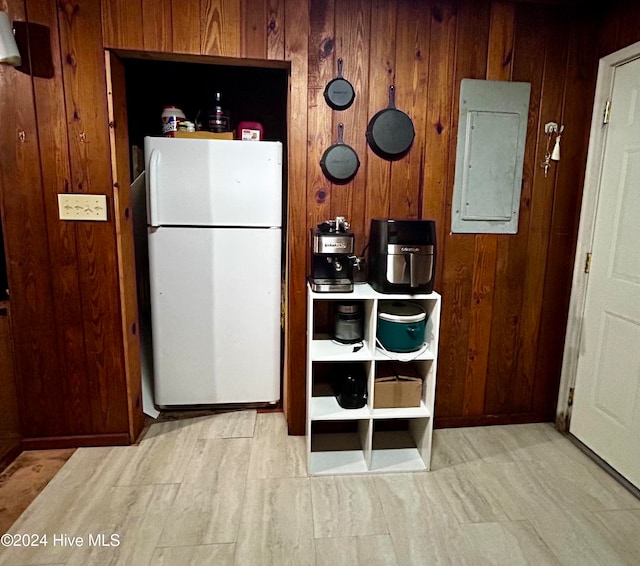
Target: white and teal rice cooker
<point x="401" y="326"/>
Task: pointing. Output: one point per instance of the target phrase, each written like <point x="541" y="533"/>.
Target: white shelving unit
<point x="366" y="440"/>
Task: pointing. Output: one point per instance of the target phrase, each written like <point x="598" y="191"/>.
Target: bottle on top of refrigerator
<point x="171" y="115"/>
<point x="219" y="117"/>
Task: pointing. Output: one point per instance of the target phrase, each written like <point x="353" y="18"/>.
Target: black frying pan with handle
<point x="340" y="161"/>
<point x="390" y="132"/>
<point x="339" y="93"/>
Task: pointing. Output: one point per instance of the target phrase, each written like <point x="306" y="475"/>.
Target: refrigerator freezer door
<point x="215" y="298"/>
<point x="197" y="182"/>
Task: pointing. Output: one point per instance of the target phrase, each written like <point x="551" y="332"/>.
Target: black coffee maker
<point x="402" y="255"/>
<point x="332" y="257"/>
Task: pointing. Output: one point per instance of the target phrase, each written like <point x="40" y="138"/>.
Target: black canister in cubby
<point x="350" y="385"/>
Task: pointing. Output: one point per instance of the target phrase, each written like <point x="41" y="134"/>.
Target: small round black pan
<point x="390" y="132"/>
<point x="340" y="162"/>
<point x="339" y="93"/>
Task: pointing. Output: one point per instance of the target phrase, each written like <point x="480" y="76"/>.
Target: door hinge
<point x="587" y="263"/>
<point x="570" y="400"/>
<point x="607" y="112"/>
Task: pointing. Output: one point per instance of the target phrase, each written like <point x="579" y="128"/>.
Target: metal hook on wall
<point x="551" y="129"/>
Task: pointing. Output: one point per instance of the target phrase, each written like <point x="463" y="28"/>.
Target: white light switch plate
<point x="75" y="206"/>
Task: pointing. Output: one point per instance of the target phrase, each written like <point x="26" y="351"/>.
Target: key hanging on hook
<point x="545" y="165"/>
<point x="549" y="129"/>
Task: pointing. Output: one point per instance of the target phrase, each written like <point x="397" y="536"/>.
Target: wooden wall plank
<point x="438" y="127"/>
<point x="412" y="54"/>
<point x="459" y="249"/>
<point x="156" y="25"/>
<point x="85" y="100"/>
<point x="555" y="61"/>
<point x="510" y="276"/>
<point x="220" y="27"/>
<point x="628" y="24"/>
<point x="501" y="33"/>
<point x="9" y="417"/>
<point x="122" y="25"/>
<point x="254" y="29"/>
<point x="352" y="45"/>
<point x="580" y="79"/>
<point x="322" y="129"/>
<point x="321" y="134"/>
<point x="381" y="75"/>
<point x="499" y="60"/>
<point x="275" y="30"/>
<point x="123" y="218"/>
<point x="608" y="32"/>
<point x="25" y="227"/>
<point x="10" y="427"/>
<point x="186" y="26"/>
<point x="55" y="166"/>
<point x="480" y="317"/>
<point x="296" y="13"/>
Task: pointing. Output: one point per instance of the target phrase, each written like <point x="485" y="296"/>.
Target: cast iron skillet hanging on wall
<point x="390" y="132"/>
<point x="340" y="161"/>
<point x="339" y="93"/>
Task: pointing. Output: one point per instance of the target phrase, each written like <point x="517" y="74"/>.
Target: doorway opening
<point x="599" y="399"/>
<point x="251" y="90"/>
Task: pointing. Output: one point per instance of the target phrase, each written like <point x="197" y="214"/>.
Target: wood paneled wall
<point x="10" y="436"/>
<point x="63" y="276"/>
<point x="505" y="298"/>
<point x="620" y="27"/>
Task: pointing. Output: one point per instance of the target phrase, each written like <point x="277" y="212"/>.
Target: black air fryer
<point x="402" y="255"/>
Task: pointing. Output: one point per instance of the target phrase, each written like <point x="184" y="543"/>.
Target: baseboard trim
<point x="11" y="449"/>
<point x="487" y="420"/>
<point x="44" y="443"/>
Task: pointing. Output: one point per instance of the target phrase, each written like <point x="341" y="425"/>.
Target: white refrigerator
<point x="214" y="212"/>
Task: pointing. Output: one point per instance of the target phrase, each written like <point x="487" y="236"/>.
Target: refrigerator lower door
<point x="215" y="303"/>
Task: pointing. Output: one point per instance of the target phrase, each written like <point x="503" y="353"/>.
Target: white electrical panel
<point x="492" y="131"/>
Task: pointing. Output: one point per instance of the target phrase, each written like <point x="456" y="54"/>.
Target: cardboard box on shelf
<point x="204" y="135"/>
<point x="396" y="386"/>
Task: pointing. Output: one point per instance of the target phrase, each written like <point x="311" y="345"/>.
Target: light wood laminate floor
<point x="231" y="489"/>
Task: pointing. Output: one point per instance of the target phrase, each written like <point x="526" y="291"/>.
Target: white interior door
<point x="606" y="407"/>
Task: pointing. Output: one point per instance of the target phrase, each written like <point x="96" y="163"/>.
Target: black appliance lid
<point x="401" y="231"/>
<point x="349" y="308"/>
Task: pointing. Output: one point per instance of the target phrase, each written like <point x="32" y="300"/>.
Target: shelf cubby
<point x="339" y="447"/>
<point x="398" y="445"/>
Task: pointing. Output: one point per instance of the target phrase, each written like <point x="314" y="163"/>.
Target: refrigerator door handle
<point x="154" y="162"/>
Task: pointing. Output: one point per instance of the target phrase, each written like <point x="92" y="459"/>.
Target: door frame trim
<point x="595" y="157"/>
